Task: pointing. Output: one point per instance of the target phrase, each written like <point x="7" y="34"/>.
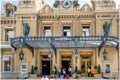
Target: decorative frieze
<point x="26" y="18"/>
<point x="106" y="16"/>
<point x="42" y="16"/>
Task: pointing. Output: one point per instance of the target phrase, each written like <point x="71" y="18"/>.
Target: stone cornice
<point x="57" y="16"/>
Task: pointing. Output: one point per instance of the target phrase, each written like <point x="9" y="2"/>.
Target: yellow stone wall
<point x="113" y="28"/>
<point x="27" y="56"/>
<point x="31" y="22"/>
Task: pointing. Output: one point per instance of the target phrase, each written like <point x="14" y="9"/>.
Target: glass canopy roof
<point x="63" y="42"/>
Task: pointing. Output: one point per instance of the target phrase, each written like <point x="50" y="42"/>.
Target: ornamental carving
<point x="46" y="9"/>
<point x="9" y="6"/>
<point x="86" y="8"/>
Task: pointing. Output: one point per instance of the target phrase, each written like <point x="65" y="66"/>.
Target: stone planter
<point x="33" y="75"/>
<point x="78" y="75"/>
<point x="97" y="75"/>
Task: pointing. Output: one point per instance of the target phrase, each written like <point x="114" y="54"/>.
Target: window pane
<point x="85" y="31"/>
<point x="47" y="31"/>
<point x="9" y="34"/>
<point x="66" y="31"/>
<point x="7" y="65"/>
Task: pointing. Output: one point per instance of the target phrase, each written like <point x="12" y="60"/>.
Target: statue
<point x="26" y="29"/>
<point x="106" y="27"/>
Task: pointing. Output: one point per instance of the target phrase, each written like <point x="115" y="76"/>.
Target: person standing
<point x="69" y="71"/>
<point x="64" y="72"/>
<point x="89" y="72"/>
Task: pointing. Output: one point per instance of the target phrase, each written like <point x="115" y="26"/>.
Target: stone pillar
<point x="119" y="43"/>
<point x="76" y="26"/>
<point x="56" y="27"/>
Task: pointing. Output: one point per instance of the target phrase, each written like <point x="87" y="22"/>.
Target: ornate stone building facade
<point x="64" y="35"/>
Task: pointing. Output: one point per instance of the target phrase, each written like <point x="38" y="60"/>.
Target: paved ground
<point x="85" y="78"/>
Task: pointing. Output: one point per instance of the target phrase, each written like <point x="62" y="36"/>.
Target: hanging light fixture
<point x="21" y="55"/>
<point x="76" y="54"/>
<point x="104" y="54"/>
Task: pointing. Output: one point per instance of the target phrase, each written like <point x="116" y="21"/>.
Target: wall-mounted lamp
<point x="104" y="54"/>
<point x="76" y="55"/>
<point x="21" y="55"/>
<point x="49" y="54"/>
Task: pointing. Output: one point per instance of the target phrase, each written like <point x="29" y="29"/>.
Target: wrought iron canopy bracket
<point x="13" y="47"/>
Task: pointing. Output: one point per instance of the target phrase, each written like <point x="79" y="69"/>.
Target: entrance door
<point x="45" y="67"/>
<point x="85" y="63"/>
<point x="66" y="64"/>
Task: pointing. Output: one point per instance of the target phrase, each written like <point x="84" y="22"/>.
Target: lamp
<point x="76" y="55"/>
<point x="21" y="55"/>
<point x="49" y="54"/>
<point x="104" y="54"/>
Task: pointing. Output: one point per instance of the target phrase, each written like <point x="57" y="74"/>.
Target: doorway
<point x="66" y="64"/>
<point x="86" y="62"/>
<point x="46" y="67"/>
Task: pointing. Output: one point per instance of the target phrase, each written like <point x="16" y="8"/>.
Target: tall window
<point x="47" y="31"/>
<point x="7" y="63"/>
<point x="86" y="30"/>
<point x="9" y="33"/>
<point x="66" y="31"/>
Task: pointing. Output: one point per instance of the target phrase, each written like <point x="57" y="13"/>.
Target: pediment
<point x="86" y="8"/>
<point x="47" y="9"/>
<point x="9" y="5"/>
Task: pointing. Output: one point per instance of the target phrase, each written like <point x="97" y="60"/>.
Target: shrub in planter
<point x="76" y="69"/>
<point x="32" y="70"/>
<point x="52" y="72"/>
<point x="78" y="72"/>
<point x="99" y="69"/>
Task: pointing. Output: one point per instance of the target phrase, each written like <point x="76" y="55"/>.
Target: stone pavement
<point x="71" y="78"/>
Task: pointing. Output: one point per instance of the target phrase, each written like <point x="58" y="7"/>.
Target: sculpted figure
<point x="106" y="27"/>
<point x="26" y="29"/>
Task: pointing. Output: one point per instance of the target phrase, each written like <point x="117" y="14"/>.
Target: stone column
<point x="76" y="26"/>
<point x="119" y="45"/>
<point x="56" y="26"/>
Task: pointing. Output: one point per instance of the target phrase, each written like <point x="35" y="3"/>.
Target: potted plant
<point x="78" y="73"/>
<point x="32" y="72"/>
<point x="52" y="73"/>
<point x="75" y="72"/>
<point x="98" y="72"/>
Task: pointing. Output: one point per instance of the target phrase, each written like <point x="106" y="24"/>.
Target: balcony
<point x="5" y="44"/>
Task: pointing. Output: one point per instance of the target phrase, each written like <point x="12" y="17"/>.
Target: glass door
<point x="86" y="61"/>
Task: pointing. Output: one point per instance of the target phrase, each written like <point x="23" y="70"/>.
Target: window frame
<point x="44" y="30"/>
<point x="86" y="25"/>
<point x="66" y="29"/>
<point x="10" y="61"/>
<point x="9" y="29"/>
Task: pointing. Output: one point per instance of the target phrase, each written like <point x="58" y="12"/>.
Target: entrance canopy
<point x="62" y="42"/>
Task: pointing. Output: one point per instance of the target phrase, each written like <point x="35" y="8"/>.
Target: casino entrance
<point x="66" y="60"/>
<point x="45" y="64"/>
<point x="86" y="61"/>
